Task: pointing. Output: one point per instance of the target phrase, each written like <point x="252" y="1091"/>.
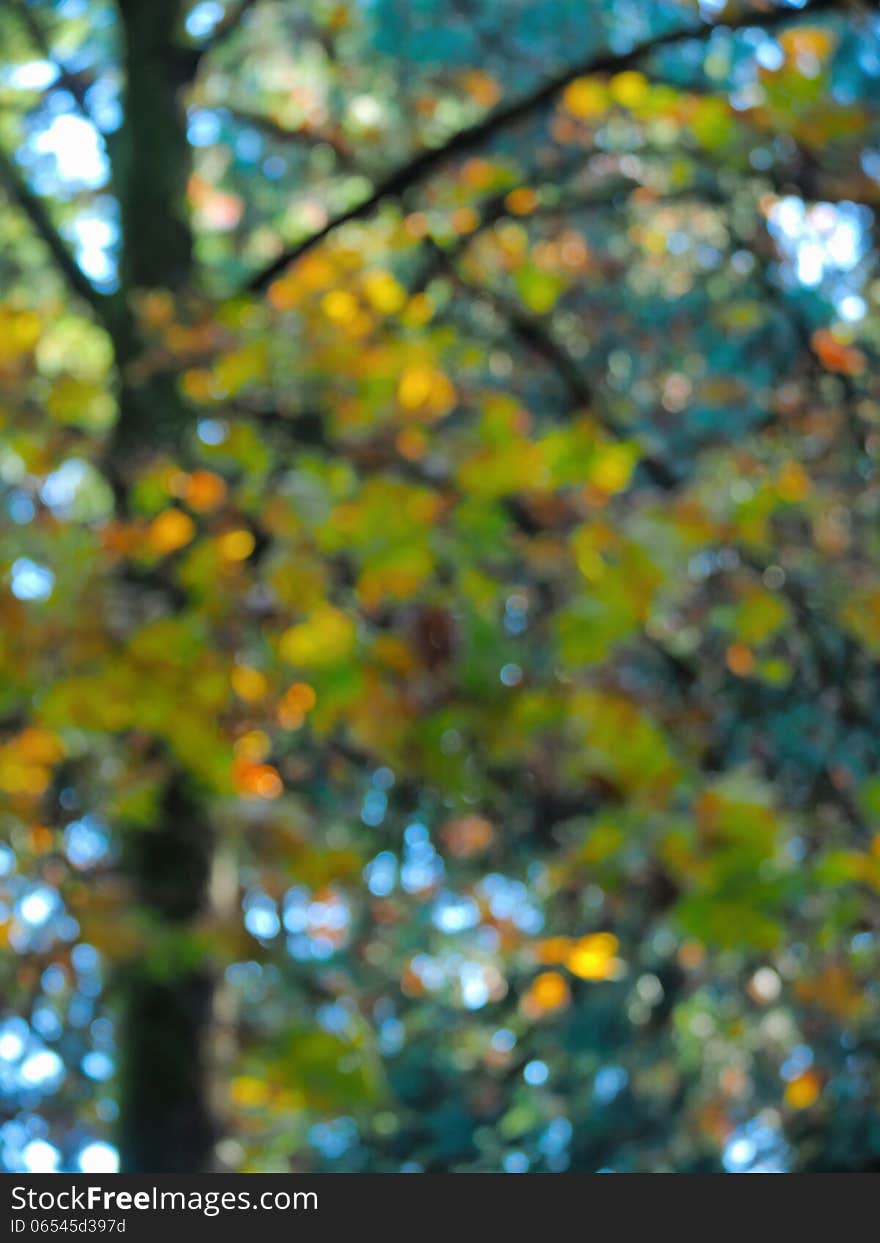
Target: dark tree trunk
<point x="153" y="164"/>
<point x="165" y="1121"/>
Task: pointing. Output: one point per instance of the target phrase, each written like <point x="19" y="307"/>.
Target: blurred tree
<point x="438" y="704"/>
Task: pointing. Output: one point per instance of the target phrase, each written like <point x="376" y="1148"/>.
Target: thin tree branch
<point x="530" y="333"/>
<point x="425" y="163"/>
<point x="227" y="26"/>
<point x="33" y="207"/>
<point x="542" y="344"/>
<point x="304" y="136"/>
<point x="68" y="81"/>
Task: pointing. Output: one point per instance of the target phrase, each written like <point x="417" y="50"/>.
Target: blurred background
<point x="439" y="590"/>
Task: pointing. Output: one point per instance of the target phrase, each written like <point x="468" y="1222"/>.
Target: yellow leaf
<point x="612" y="466"/>
<point x="170" y="530"/>
<point x="793" y="483"/>
<point x="383" y="292"/>
<point x="803" y="1091"/>
<point x="327" y="637"/>
<point x="630" y="89"/>
<point x="548" y="992"/>
<point x="425" y="390"/>
<point x="248" y="1092"/>
<point x="244" y="366"/>
<point x="340" y="306"/>
<point x="236" y="545"/>
<point x="80" y="403"/>
<point x="249" y="684"/>
<point x="19" y="332"/>
<point x="585" y="98"/>
<point x="595" y="957"/>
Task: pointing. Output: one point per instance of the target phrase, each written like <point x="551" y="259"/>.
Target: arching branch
<point x="77" y="84"/>
<point x="226" y="27"/>
<point x="33" y="207"/>
<point x="425" y="163"/>
<point x="281" y="133"/>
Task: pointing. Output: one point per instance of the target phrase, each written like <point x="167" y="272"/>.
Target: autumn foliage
<point x="439" y="592"/>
